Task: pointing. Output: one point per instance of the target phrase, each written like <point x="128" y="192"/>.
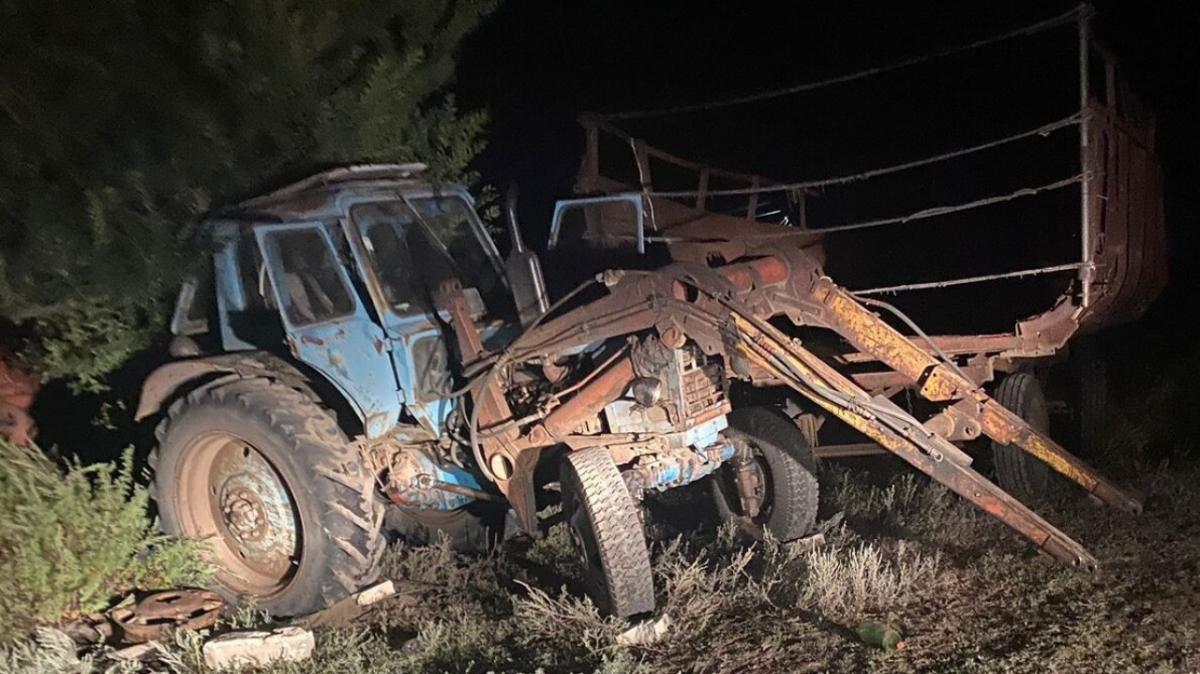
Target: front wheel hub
<point x="244" y="515"/>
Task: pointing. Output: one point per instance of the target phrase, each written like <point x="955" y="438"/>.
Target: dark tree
<point x="122" y="123"/>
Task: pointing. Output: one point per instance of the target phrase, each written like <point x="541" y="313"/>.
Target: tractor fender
<point x="169" y="381"/>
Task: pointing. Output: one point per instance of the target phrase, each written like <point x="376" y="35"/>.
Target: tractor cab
<point x="338" y="273"/>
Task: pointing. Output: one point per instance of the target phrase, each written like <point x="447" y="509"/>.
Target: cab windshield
<point x="413" y="252"/>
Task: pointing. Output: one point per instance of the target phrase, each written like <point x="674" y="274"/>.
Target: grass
<point x="967" y="595"/>
<point x="848" y="585"/>
<point x="73" y="538"/>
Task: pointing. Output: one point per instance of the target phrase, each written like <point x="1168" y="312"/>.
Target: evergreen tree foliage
<point x="123" y="122"/>
<point x="75" y="540"/>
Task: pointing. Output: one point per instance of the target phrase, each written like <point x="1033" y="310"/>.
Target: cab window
<point x="311" y="288"/>
<point x="414" y="252"/>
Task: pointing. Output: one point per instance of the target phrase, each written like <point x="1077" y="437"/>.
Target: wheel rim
<point x="233" y="497"/>
<point x="762" y="471"/>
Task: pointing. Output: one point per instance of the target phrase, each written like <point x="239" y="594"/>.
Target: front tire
<point x="784" y="468"/>
<point x="607" y="531"/>
<point x="265" y="474"/>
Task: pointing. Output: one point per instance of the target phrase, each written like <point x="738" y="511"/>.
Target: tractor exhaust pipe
<point x="523" y="268"/>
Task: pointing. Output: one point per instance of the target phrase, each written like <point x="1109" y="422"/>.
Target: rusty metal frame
<point x="733" y="273"/>
<point x="724" y="310"/>
<point x="1123" y="244"/>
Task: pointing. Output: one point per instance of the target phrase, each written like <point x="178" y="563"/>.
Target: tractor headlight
<point x="647" y="391"/>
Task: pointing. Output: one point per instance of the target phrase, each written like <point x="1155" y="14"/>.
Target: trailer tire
<point x="1018" y="472"/>
<point x="604" y="523"/>
<point x="789" y="470"/>
<point x="265" y="474"/>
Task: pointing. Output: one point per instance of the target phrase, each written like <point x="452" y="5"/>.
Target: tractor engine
<point x="674" y="412"/>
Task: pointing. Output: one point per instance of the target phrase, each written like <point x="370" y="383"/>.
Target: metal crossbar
<point x="1021" y="273"/>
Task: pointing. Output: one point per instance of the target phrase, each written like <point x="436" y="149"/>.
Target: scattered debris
<point x="135" y="652"/>
<point x="406" y="596"/>
<point x="645" y="633"/>
<point x="375" y="593"/>
<point x="808" y="542"/>
<point x="236" y="650"/>
<point x="94" y="628"/>
<point x="149" y="618"/>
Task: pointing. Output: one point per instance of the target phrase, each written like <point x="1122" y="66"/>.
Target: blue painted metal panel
<point x="563" y="205"/>
<point x="417" y="478"/>
<point x="678" y="467"/>
<point x="350" y="351"/>
<point x="231" y="296"/>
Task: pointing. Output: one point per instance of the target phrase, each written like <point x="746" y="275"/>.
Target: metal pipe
<point x="849" y="450"/>
<point x="591" y="398"/>
<point x="1085" y="271"/>
<point x="467" y="491"/>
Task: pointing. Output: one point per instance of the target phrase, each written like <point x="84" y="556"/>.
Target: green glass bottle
<point x="880" y="636"/>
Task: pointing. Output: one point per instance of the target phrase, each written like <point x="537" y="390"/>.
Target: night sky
<point x="537" y="65"/>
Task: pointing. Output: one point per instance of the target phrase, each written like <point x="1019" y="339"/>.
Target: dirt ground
<point x="991" y="605"/>
<point x="967" y="595"/>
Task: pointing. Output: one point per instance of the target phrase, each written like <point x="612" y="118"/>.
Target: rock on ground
<point x="258" y="649"/>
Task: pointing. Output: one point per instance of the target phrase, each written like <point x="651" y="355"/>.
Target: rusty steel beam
<point x="848" y="450"/>
<point x="888" y="379"/>
<point x="938" y="382"/>
<point x="953" y="345"/>
<point x="930" y="455"/>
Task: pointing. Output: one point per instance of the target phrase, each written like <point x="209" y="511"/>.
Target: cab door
<point x="326" y="323"/>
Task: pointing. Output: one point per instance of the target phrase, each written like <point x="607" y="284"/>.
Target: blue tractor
<point x="361" y="346"/>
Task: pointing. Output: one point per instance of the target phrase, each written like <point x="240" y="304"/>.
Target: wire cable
<point x="1031" y="29"/>
<point x="1043" y="130"/>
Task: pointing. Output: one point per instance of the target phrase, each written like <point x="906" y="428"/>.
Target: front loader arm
<point x="903" y="435"/>
<point x="937" y="381"/>
<point x="725" y="309"/>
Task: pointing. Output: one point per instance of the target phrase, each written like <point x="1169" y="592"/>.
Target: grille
<point x="702" y="381"/>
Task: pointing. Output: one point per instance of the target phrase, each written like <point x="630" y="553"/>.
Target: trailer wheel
<point x="265" y="475"/>
<point x="604" y="523"/>
<point x="1017" y="471"/>
<point x="785" y="469"/>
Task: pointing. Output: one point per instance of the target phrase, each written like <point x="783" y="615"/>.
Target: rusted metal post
<point x="642" y="159"/>
<point x="1085" y="271"/>
<point x="752" y="207"/>
<point x="702" y="190"/>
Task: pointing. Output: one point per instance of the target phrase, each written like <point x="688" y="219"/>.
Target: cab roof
<point x="316" y="196"/>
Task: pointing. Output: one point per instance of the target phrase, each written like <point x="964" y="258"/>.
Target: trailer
<point x="1119" y="269"/>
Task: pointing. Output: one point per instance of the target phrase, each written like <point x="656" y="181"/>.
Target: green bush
<point x="72" y="540"/>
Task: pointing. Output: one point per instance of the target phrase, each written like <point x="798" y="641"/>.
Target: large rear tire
<point x="785" y="469"/>
<point x="265" y="474"/>
<point x="608" y="535"/>
<point x="1017" y="471"/>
